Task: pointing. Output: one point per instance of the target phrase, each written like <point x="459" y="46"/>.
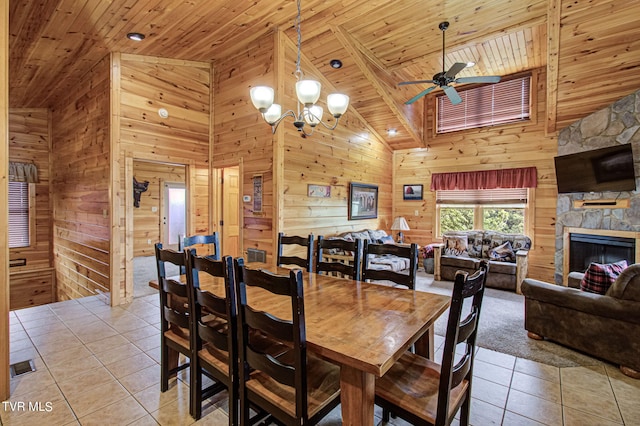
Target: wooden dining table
<point x="362" y="327"/>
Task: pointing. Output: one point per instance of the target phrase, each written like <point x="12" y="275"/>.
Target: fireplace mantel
<point x="604" y="232"/>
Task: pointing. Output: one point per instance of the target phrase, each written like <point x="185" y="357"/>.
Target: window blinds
<point x="18" y="214"/>
<point x="490" y="105"/>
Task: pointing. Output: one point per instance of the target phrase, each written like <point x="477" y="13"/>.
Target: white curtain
<point x="23" y="172"/>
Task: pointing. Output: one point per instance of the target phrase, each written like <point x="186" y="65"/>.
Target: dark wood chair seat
<point x="294" y="387"/>
<point x="174" y="316"/>
<point x="423" y="392"/>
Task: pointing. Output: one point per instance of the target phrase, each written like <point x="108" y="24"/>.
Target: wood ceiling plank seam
<point x="354" y="49"/>
<point x="522" y="50"/>
<point x="67" y="12"/>
<point x="514" y="48"/>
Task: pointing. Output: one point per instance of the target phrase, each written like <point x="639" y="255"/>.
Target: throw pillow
<point x="387" y="239"/>
<point x="599" y="277"/>
<point x="455" y="245"/>
<point x="502" y="253"/>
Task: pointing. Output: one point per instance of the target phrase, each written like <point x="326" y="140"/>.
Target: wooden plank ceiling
<point x="54" y="42"/>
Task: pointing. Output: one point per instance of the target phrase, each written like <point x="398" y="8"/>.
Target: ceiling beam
<point x="364" y="62"/>
<point x="553" y="48"/>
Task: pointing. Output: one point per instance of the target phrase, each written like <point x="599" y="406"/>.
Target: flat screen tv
<point x="598" y="170"/>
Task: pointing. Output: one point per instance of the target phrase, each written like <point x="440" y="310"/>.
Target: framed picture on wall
<point x="412" y="192"/>
<point x="363" y="201"/>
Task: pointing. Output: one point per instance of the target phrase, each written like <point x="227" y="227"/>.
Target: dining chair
<point x="214" y="333"/>
<point x="212" y="242"/>
<point x="175" y="338"/>
<point x="295" y="387"/>
<point x="294" y="240"/>
<point x="371" y="263"/>
<point x="423" y="392"/>
<point x="349" y="266"/>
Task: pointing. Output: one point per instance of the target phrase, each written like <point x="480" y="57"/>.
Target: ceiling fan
<point x="444" y="78"/>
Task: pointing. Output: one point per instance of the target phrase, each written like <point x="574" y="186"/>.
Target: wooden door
<point x="230" y="211"/>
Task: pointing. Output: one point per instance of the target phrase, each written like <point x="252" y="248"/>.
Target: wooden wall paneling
<point x="280" y="57"/>
<point x="147" y="223"/>
<point x="117" y="244"/>
<point x="32" y="288"/>
<point x="81" y="187"/>
<point x="175" y="148"/>
<point x="507" y="146"/>
<point x="29" y="142"/>
<point x="596" y="39"/>
<point x="241" y="136"/>
<point x="4" y="201"/>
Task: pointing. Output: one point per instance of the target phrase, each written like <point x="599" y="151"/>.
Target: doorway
<point x="174" y="221"/>
<point x="229" y="210"/>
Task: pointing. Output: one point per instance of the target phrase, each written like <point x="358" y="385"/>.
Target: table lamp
<point x="400" y="224"/>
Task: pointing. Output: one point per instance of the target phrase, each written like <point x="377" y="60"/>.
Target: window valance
<point x="526" y="177"/>
<point x="23" y="172"/>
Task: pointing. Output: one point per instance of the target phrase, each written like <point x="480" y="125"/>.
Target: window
<point x="19" y="214"/>
<point x="500" y="103"/>
<point x="503" y="210"/>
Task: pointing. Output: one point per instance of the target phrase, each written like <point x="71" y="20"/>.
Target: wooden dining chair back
<point x="425" y="393"/>
<point x="175" y="338"/>
<point x="294" y="387"/>
<point x="347" y="263"/>
<point x="211" y="242"/>
<point x="214" y="332"/>
<point x="305" y="243"/>
<point x="371" y="270"/>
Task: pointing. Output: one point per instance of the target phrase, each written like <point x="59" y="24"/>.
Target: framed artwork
<point x="257" y="194"/>
<point x="412" y="192"/>
<point x="319" y="191"/>
<point x="363" y="201"/>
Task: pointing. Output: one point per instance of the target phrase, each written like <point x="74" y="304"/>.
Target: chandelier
<point x="308" y="92"/>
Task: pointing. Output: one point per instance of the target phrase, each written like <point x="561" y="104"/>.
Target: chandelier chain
<point x="299" y="31"/>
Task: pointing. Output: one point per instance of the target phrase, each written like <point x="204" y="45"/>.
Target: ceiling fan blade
<point x="419" y="95"/>
<point x="455" y="69"/>
<point x="479" y="79"/>
<point x="403" y="83"/>
<point x="452" y="95"/>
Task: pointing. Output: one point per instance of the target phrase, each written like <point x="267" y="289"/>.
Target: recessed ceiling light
<point x="470" y="64"/>
<point x="335" y="63"/>
<point x="392" y="132"/>
<point x="135" y="36"/>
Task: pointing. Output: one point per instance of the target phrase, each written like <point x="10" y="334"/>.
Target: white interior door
<point x="175" y="213"/>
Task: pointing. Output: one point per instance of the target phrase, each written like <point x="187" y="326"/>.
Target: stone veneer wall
<point x="616" y="124"/>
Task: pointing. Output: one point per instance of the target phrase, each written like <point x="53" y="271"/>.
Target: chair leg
<point x="164" y="367"/>
<point x="464" y="411"/>
<point x="385" y="414"/>
<point x="233" y="405"/>
<point x="195" y="389"/>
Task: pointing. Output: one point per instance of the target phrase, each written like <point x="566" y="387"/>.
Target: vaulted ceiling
<point x="380" y="42"/>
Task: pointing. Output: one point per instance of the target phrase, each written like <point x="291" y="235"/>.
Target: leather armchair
<point x="605" y="326"/>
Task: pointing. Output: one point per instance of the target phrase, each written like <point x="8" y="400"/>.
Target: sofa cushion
<point x="498" y="267"/>
<point x="459" y="262"/>
<point x="502" y="253"/>
<point x="599" y="277"/>
<point x="627" y="286"/>
<point x="455" y="245"/>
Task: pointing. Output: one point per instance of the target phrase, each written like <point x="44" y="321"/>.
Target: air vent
<point x="255" y="255"/>
<point x="22" y="367"/>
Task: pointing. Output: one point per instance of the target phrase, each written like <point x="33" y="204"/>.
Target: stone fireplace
<point x="619" y="212"/>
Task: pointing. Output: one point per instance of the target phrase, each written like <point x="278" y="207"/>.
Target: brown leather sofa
<point x="605" y="326"/>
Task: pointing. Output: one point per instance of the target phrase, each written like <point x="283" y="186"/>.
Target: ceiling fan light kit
<point x="445" y="78"/>
<point x="308" y="93"/>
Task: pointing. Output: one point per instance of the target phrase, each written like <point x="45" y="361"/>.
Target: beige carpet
<point x="501" y="327"/>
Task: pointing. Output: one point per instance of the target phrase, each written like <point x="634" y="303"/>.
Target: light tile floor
<point x="100" y="365"/>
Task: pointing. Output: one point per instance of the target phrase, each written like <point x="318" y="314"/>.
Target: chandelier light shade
<point x="308" y="93"/>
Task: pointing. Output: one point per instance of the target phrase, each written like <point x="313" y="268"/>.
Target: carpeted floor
<point x="501" y="327"/>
